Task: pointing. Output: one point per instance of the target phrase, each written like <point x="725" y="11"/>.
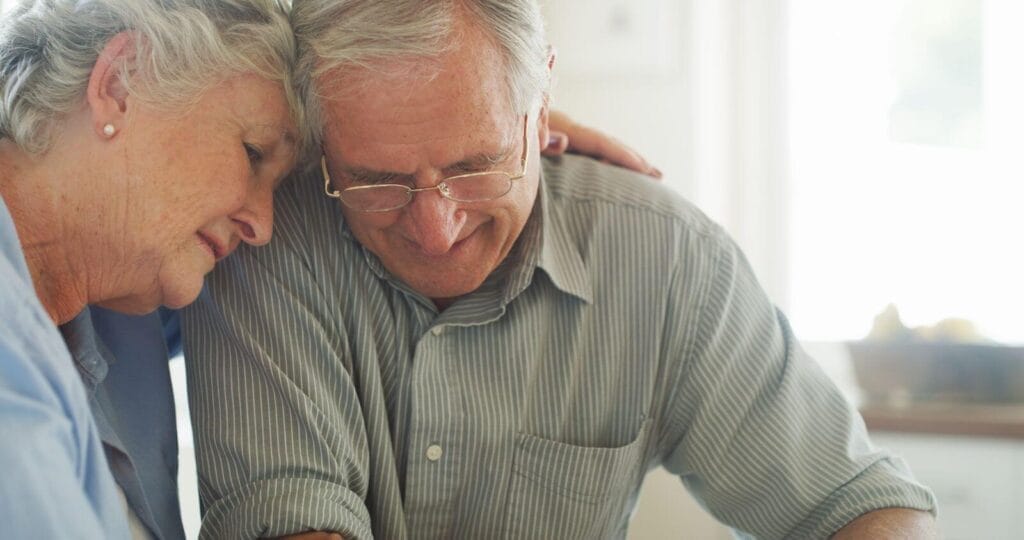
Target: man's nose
<point x="436" y="221"/>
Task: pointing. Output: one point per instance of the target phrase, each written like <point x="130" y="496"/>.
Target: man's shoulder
<point x="575" y="182"/>
<point x="306" y="221"/>
<point x="300" y="201"/>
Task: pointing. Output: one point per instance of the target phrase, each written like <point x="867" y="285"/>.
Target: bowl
<point x="911" y="372"/>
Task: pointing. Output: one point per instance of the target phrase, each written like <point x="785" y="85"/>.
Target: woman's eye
<point x="254" y="153"/>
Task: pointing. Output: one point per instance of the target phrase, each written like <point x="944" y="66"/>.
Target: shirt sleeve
<point x="55" y="483"/>
<point x="755" y="429"/>
<point x="280" y="440"/>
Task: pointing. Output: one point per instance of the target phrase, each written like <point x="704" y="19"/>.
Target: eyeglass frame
<point x="440" y="186"/>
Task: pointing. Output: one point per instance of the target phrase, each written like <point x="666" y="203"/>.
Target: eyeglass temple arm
<point x="334" y="194"/>
<point x="526" y="146"/>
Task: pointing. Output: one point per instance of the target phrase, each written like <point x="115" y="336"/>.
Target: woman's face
<point x="198" y="183"/>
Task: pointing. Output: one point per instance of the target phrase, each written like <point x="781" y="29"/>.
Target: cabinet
<point x="979" y="482"/>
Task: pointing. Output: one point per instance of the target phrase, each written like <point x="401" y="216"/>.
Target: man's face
<point x="413" y="130"/>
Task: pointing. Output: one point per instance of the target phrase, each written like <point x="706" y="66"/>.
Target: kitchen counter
<point x="958" y="419"/>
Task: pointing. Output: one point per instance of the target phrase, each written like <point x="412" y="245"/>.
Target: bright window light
<point x="907" y="164"/>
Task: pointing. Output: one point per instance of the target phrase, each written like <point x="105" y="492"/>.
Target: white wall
<point x="698" y="87"/>
<point x="604" y="76"/>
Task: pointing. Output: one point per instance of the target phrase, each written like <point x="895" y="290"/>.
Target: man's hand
<point x="890" y="523"/>
<point x="567" y="135"/>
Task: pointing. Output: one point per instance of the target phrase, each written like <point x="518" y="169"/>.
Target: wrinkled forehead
<point x="463" y="99"/>
<point x="460" y="98"/>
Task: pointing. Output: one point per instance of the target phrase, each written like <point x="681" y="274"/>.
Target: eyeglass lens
<point x="476" y="188"/>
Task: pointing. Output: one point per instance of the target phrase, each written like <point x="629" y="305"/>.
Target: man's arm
<point x="755" y="429"/>
<point x="280" y="441"/>
<point x="890" y="523"/>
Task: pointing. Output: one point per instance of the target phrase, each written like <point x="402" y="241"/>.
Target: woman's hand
<point x="569" y="136"/>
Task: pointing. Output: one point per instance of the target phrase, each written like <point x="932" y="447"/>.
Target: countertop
<point x="959" y="419"/>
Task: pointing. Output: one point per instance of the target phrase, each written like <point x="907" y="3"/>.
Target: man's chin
<point x="445" y="293"/>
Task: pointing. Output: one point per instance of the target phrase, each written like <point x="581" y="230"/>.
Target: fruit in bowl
<point x="947" y="362"/>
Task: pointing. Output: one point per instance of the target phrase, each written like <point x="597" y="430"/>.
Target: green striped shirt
<point x="625" y="331"/>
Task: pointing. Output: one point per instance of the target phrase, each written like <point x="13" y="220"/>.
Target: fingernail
<point x="655" y="172"/>
<point x="554" y="140"/>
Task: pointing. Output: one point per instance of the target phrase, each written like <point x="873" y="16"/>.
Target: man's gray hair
<point x="334" y="34"/>
<point x="48" y="49"/>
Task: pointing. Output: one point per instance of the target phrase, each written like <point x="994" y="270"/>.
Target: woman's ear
<point x="107" y="94"/>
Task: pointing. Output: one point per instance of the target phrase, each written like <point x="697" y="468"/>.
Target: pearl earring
<point x="109" y="130"/>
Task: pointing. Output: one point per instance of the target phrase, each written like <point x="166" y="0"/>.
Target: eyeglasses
<point x="469" y="188"/>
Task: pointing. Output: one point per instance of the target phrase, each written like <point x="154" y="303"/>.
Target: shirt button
<point x="434" y="452"/>
<point x="437" y="330"/>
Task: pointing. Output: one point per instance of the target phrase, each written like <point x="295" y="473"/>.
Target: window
<point x="907" y="164"/>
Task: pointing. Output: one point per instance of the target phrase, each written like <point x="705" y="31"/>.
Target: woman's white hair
<point x="334" y="34"/>
<point x="48" y="49"/>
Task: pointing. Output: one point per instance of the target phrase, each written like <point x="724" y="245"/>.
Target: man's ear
<point x="106" y="94"/>
<point x="543" y="131"/>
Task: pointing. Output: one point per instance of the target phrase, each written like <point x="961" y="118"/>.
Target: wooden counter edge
<point x="996" y="421"/>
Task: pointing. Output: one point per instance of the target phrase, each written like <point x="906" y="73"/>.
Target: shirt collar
<point x="559" y="254"/>
<point x="544" y="243"/>
<point x="91" y="356"/>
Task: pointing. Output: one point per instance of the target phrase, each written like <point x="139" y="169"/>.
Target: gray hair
<point x="48" y="49"/>
<point x="333" y="34"/>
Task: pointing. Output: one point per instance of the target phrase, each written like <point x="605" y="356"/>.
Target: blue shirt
<point x="56" y="483"/>
<point x="123" y="360"/>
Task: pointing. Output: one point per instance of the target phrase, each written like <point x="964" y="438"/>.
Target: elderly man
<point x="450" y="337"/>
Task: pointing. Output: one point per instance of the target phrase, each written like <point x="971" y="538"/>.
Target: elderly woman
<point x="141" y="141"/>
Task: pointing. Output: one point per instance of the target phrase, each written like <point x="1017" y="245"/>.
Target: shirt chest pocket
<point x="559" y="490"/>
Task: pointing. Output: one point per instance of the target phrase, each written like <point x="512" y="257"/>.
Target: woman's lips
<point x="215" y="250"/>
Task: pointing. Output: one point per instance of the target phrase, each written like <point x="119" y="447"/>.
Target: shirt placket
<point x="435" y="435"/>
